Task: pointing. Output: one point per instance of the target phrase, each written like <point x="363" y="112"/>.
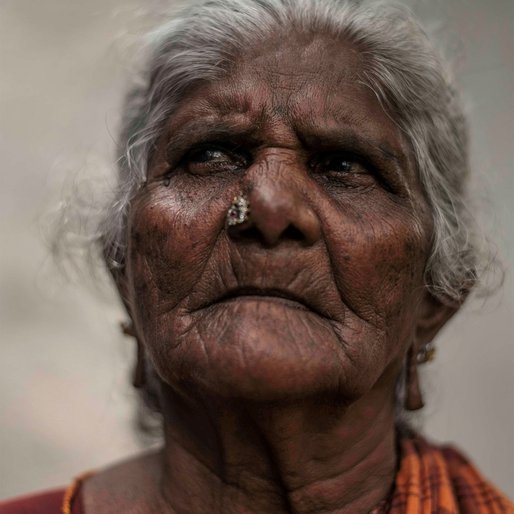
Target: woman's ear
<point x="434" y="314"/>
<point x="119" y="277"/>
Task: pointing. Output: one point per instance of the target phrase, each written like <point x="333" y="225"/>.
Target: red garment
<point x="50" y="502"/>
<point x="430" y="480"/>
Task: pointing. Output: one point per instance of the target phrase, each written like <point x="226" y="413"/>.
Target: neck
<point x="309" y="456"/>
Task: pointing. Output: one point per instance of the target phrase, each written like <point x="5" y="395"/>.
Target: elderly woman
<point x="288" y="236"/>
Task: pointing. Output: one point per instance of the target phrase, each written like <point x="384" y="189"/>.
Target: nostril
<point x="271" y="220"/>
<point x="253" y="233"/>
<point x="293" y="233"/>
<point x="249" y="233"/>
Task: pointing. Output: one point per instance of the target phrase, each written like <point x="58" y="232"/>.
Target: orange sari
<point x="439" y="480"/>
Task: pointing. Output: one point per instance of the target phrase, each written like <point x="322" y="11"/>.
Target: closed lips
<point x="281" y="295"/>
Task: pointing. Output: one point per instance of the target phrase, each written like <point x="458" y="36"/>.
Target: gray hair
<point x="400" y="66"/>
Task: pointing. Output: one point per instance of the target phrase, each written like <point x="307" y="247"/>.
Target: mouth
<point x="282" y="296"/>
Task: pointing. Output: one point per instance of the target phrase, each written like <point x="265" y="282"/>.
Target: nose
<point x="279" y="212"/>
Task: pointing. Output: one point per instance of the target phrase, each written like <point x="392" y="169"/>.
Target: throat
<point x="224" y="457"/>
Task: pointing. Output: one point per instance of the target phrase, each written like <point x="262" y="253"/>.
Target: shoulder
<point x="470" y="486"/>
<point x="442" y="476"/>
<point x="129" y="486"/>
<point x="48" y="502"/>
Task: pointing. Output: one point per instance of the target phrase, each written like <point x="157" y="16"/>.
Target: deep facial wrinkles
<point x="333" y="244"/>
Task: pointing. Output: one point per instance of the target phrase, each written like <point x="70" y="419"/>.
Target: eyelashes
<point x="337" y="168"/>
<point x="208" y="159"/>
<point x="339" y="163"/>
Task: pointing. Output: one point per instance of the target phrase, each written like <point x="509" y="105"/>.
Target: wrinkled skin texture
<point x="279" y="342"/>
<point x="356" y="255"/>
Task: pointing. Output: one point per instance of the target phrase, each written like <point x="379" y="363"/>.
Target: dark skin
<point x="278" y="343"/>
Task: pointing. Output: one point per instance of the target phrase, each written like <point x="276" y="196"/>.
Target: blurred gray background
<point x="66" y="405"/>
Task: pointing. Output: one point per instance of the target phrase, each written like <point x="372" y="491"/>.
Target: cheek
<point x="171" y="236"/>
<point x="378" y="258"/>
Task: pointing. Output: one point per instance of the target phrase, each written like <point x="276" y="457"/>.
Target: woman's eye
<point x="208" y="156"/>
<point x="212" y="160"/>
<point x="343" y="170"/>
<point x="338" y="164"/>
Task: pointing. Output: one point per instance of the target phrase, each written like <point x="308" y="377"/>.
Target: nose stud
<point x="239" y="211"/>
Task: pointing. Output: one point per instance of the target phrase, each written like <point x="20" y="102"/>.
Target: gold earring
<point x="426" y="354"/>
<point x="127" y="327"/>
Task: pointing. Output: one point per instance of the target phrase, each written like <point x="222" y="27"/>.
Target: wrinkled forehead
<point x="286" y="75"/>
<point x="292" y="79"/>
<point x="304" y="55"/>
<point x="294" y="90"/>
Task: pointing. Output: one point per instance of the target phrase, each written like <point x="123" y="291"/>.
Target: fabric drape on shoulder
<point x="433" y="479"/>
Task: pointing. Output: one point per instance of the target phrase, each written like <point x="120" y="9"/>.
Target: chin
<point x="266" y="354"/>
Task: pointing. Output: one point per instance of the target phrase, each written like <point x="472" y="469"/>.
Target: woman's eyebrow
<point x="349" y="138"/>
<point x="203" y="130"/>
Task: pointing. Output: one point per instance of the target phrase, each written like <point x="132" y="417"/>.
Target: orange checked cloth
<point x="439" y="480"/>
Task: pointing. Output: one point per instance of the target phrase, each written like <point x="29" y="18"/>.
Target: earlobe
<point x="433" y="315"/>
<point x="139" y="372"/>
<point x="120" y="280"/>
<point x="413" y="396"/>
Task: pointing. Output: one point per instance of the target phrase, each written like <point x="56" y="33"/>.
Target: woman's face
<point x="322" y="293"/>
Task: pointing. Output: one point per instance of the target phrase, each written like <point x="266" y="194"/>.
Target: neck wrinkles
<point x="226" y="457"/>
